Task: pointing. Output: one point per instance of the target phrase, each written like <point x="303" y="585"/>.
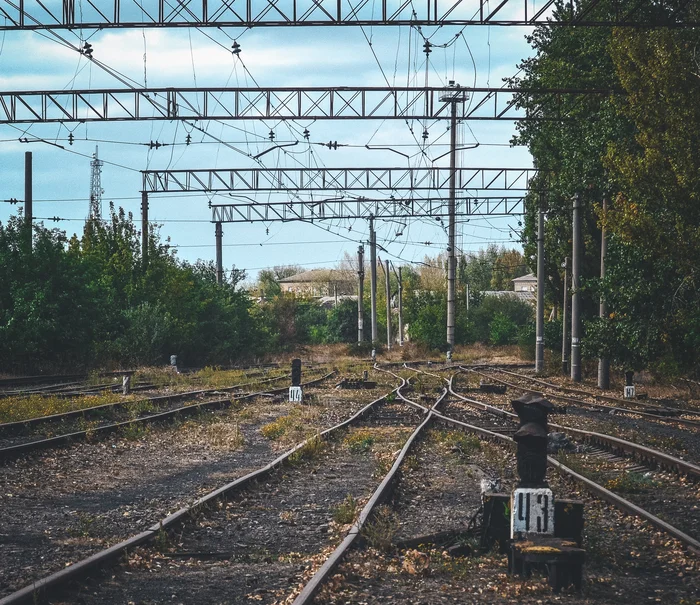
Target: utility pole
<point x="219" y="234"/>
<point x="539" y="319"/>
<point x="400" y="280"/>
<point x="373" y="277"/>
<point x="387" y="289"/>
<point x="360" y="292"/>
<point x="564" y="319"/>
<point x="467" y="297"/>
<point x="453" y="97"/>
<point x="576" y="293"/>
<point x="144" y="228"/>
<point x="603" y="364"/>
<point x="28" y="193"/>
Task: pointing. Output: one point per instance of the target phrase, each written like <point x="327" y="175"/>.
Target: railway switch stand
<point x="534" y="542"/>
<point x="296" y="393"/>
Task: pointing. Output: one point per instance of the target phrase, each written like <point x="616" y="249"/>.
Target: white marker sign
<point x="296" y="395"/>
<point x="629" y="392"/>
<point x="532" y="512"/>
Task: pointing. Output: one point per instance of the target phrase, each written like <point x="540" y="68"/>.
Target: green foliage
<point x="502" y="330"/>
<point x="89" y="301"/>
<point x="344" y="513"/>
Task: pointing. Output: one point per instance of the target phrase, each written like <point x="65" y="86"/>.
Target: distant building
<point x="319" y="283"/>
<point x="526" y="283"/>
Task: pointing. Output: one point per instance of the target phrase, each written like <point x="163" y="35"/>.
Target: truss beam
<point x="335" y="179"/>
<point x="101" y="14"/>
<point x="310" y="211"/>
<point x="336" y="103"/>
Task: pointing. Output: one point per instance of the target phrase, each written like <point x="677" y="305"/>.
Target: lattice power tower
<point x="96" y="190"/>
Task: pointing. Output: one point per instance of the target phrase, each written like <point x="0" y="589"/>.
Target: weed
<point x="161" y="539"/>
<point x="464" y="443"/>
<point x="572" y="461"/>
<point x="380" y="531"/>
<point x="359" y="442"/>
<point x="134" y="431"/>
<point x="85" y="525"/>
<point x="345" y="512"/>
<point x="631" y="483"/>
<point x="313" y="448"/>
<point x="289" y="516"/>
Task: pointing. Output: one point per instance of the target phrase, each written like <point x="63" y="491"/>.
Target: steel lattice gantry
<point x="310" y="211"/>
<point x="335" y="179"/>
<point x="101" y="14"/>
<point x="337" y="103"/>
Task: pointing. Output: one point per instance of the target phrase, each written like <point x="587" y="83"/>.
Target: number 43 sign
<point x="532" y="512"/>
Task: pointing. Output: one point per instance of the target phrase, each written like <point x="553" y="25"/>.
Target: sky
<point x="292" y="56"/>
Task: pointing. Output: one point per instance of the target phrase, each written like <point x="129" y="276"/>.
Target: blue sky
<point x="295" y="56"/>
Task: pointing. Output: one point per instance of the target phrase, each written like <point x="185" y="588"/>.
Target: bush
<point x="502" y="330"/>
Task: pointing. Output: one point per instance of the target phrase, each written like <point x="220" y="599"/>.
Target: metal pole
<point x="539" y="319"/>
<point x="388" y="305"/>
<point x="451" y="269"/>
<point x="219" y="233"/>
<point x="144" y="227"/>
<point x="603" y="364"/>
<point x="576" y="294"/>
<point x="564" y="322"/>
<point x="467" y="297"/>
<point x="373" y="277"/>
<point x="360" y="292"/>
<point x="400" y="309"/>
<point x="28" y="193"/>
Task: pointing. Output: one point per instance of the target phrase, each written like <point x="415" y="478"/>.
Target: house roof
<point x="317" y="275"/>
<point x="530" y="277"/>
<point x="524" y="296"/>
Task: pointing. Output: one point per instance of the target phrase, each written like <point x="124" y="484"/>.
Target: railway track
<point x="665" y="415"/>
<point x="196" y="546"/>
<point x="181" y="518"/>
<point x="17" y="437"/>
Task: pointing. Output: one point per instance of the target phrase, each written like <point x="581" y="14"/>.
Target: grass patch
<point x="292" y="427"/>
<point x="14" y="409"/>
<point x="313" y="448"/>
<point x="344" y="513"/>
<point x="359" y="442"/>
<point x="380" y="531"/>
<point x="464" y="443"/>
<point x="631" y="483"/>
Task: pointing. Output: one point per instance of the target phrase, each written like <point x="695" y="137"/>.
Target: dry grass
<point x="220" y="435"/>
<point x="13" y="409"/>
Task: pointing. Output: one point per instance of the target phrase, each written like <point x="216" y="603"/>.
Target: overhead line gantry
<point x="104" y="14"/>
<point x="282" y="103"/>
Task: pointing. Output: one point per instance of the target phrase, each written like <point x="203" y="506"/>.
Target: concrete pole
<point x="539" y="317"/>
<point x="400" y="309"/>
<point x="28" y="196"/>
<point x="219" y="234"/>
<point x="603" y="364"/>
<point x="360" y="292"/>
<point x="576" y="293"/>
<point x="451" y="258"/>
<point x="373" y="277"/>
<point x="388" y="305"/>
<point x="144" y="228"/>
<point x="564" y="320"/>
<point x="467" y="297"/>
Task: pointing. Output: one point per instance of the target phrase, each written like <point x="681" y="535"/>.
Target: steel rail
<point x="37" y="590"/>
<point x="616" y="444"/>
<point x="59" y="440"/>
<point x="381" y="494"/>
<point x="601" y="406"/>
<point x="9" y="427"/>
<point x="597" y="396"/>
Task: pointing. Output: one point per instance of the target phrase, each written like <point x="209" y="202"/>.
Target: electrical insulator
<point x="307" y="134"/>
<point x="426" y="47"/>
<point x="71" y="138"/>
<point x="236" y="48"/>
<point x="87" y="50"/>
<point x="188" y="139"/>
<point x="425" y="134"/>
<point x="271" y="135"/>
